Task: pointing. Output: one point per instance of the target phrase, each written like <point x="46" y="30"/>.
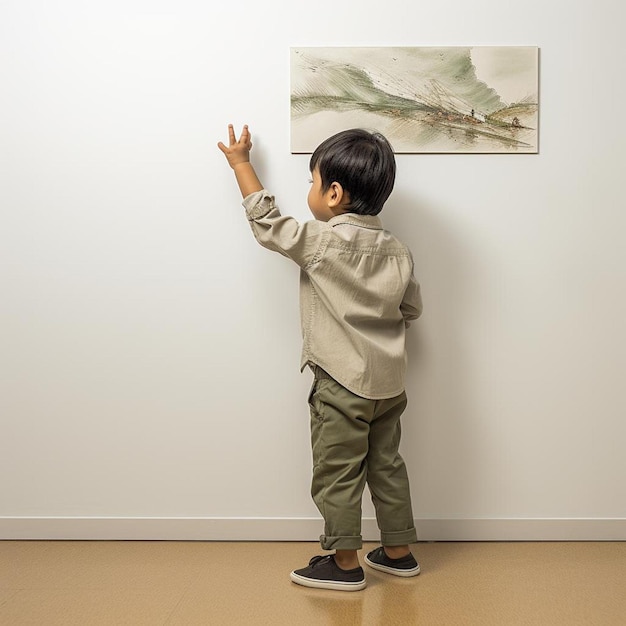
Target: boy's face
<point x="322" y="203"/>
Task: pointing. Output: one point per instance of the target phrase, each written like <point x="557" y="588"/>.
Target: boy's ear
<point x="336" y="195"/>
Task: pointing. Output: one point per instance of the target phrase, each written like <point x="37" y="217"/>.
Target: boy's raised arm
<point x="238" y="156"/>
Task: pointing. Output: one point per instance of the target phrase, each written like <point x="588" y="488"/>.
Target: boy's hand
<point x="238" y="156"/>
<point x="237" y="151"/>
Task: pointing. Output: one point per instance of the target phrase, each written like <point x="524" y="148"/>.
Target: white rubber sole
<point x="327" y="584"/>
<point x="404" y="573"/>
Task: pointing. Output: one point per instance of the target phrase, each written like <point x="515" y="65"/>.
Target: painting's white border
<point x="301" y="529"/>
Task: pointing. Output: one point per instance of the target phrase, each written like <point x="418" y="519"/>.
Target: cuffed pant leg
<point x="339" y="438"/>
<point x="387" y="477"/>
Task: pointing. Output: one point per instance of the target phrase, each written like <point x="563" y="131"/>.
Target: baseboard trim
<point x="301" y="529"/>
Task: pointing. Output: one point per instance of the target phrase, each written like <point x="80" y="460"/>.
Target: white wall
<point x="149" y="348"/>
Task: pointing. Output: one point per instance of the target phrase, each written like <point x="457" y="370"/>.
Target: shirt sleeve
<point x="300" y="242"/>
<point x="411" y="307"/>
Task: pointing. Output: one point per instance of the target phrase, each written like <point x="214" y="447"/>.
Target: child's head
<point x="362" y="163"/>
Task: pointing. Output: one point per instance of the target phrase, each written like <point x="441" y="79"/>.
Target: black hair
<point x="363" y="163"/>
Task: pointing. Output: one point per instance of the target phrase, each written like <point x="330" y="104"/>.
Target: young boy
<point x="357" y="296"/>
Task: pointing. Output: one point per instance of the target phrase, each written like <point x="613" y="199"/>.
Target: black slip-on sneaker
<point x="405" y="566"/>
<point x="323" y="573"/>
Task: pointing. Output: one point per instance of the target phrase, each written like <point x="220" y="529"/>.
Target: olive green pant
<point x="355" y="441"/>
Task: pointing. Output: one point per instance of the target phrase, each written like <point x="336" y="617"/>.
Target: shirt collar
<point x="364" y="221"/>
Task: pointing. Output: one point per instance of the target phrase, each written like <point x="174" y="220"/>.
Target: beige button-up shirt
<point x="358" y="293"/>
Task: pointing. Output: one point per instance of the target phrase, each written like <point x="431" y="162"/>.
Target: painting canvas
<point x="481" y="99"/>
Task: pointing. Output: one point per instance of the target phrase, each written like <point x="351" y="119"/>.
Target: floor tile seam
<point x="6" y="604"/>
<point x="182" y="598"/>
<point x="14" y="594"/>
<point x="189" y="588"/>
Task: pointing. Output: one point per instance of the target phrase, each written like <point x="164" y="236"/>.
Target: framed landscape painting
<point x="481" y="99"/>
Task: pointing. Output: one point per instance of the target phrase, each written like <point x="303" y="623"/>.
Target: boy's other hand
<point x="237" y="151"/>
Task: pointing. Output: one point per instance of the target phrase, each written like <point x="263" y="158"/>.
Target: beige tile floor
<point x="217" y="583"/>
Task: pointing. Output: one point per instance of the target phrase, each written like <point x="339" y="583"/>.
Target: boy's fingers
<point x="232" y="141"/>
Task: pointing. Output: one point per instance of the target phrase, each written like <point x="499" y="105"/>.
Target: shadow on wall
<point x="438" y="427"/>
